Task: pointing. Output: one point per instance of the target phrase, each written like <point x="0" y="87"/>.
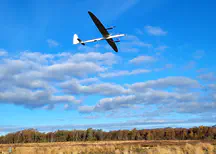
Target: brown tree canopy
<point x="32" y="135"/>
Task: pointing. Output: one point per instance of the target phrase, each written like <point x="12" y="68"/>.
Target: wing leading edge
<point x="103" y="31"/>
<point x="112" y="44"/>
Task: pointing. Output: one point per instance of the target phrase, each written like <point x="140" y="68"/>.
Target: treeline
<point x="32" y="135"/>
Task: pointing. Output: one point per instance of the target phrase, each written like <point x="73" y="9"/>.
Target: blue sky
<point x="163" y="75"/>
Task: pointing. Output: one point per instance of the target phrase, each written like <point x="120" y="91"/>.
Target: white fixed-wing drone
<point x="104" y="32"/>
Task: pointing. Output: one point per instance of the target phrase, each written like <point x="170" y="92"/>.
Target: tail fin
<point x="76" y="40"/>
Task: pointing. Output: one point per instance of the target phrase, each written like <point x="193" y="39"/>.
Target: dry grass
<point x="200" y="148"/>
<point x="114" y="147"/>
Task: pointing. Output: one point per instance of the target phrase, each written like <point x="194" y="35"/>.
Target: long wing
<point x="103" y="31"/>
<point x="99" y="25"/>
<point x="112" y="44"/>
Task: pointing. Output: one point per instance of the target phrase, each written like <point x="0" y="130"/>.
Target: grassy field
<point x="114" y="147"/>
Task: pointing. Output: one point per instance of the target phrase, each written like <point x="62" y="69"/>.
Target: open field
<point x="114" y="147"/>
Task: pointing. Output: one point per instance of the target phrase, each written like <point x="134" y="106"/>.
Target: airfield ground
<point x="114" y="147"/>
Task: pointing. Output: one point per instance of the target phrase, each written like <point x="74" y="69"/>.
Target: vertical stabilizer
<point x="76" y="40"/>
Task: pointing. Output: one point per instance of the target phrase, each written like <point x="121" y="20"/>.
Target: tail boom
<point x="77" y="40"/>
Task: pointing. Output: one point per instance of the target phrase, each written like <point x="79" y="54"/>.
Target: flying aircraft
<point x="103" y="31"/>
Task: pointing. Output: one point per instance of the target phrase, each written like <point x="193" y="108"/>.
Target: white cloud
<point x="132" y="43"/>
<point x="180" y="82"/>
<point x="36" y="57"/>
<point x="143" y="93"/>
<point x="156" y="31"/>
<point x="198" y="54"/>
<point x="196" y="107"/>
<point x="36" y="80"/>
<point x="107" y="89"/>
<point x="33" y="99"/>
<point x="147" y="97"/>
<point x="32" y="79"/>
<point x="3" y="52"/>
<point x="135" y="41"/>
<point x="123" y="73"/>
<point x="208" y="77"/>
<point x="141" y="59"/>
<point x="161" y="48"/>
<point x="86" y="109"/>
<point x="190" y="65"/>
<point x="130" y="124"/>
<point x="52" y="43"/>
<point x="91" y="117"/>
<point x="212" y="87"/>
<point x="72" y="69"/>
<point x="88" y="80"/>
<point x="107" y="58"/>
<point x="107" y="104"/>
<point x="48" y="107"/>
